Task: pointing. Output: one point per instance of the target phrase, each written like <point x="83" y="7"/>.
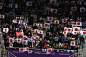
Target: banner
<point x="53" y="54"/>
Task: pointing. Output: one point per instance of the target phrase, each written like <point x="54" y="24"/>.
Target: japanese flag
<point x="69" y="29"/>
<point x="27" y="49"/>
<point x="2" y="16"/>
<point x="56" y="21"/>
<point x="33" y="43"/>
<point x="46" y="25"/>
<point x="76" y="28"/>
<point x="71" y="19"/>
<point x="16" y="21"/>
<point x="82" y="9"/>
<point x="36" y="30"/>
<point x="10" y="5"/>
<point x="65" y="28"/>
<point x="21" y="49"/>
<point x="84" y="29"/>
<point x="64" y="20"/>
<point x="17" y="29"/>
<point x="85" y="3"/>
<point x="6" y="30"/>
<point x="30" y="51"/>
<point x="65" y="32"/>
<point x="56" y="4"/>
<point x="74" y="32"/>
<point x="72" y="2"/>
<point x="72" y="43"/>
<point x="21" y="30"/>
<point x="49" y="50"/>
<point x="18" y="40"/>
<point x="55" y="10"/>
<point x="22" y="21"/>
<point x="40" y="32"/>
<point x="25" y="42"/>
<point x="44" y="50"/>
<point x="50" y="19"/>
<point x="29" y="3"/>
<point x="69" y="23"/>
<point x="33" y="37"/>
<point x="24" y="24"/>
<point x="24" y="37"/>
<point x="79" y="2"/>
<point x="37" y="37"/>
<point x="11" y="40"/>
<point x="73" y="8"/>
<point x="39" y="25"/>
<point x="11" y="45"/>
<point x="83" y="32"/>
<point x="0" y="7"/>
<point x="78" y="23"/>
<point x="78" y="32"/>
<point x="53" y="1"/>
<point x="50" y="9"/>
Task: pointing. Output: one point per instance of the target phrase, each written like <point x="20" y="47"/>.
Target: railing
<point x="11" y="55"/>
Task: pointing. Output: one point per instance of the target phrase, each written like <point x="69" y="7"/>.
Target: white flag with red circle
<point x="10" y="5"/>
<point x="64" y="20"/>
<point x="21" y="49"/>
<point x="33" y="43"/>
<point x="33" y="37"/>
<point x="36" y="30"/>
<point x="44" y="50"/>
<point x="82" y="9"/>
<point x="74" y="32"/>
<point x="65" y="28"/>
<point x="18" y="40"/>
<point x="50" y="19"/>
<point x="72" y="43"/>
<point x="85" y="3"/>
<point x="73" y="8"/>
<point x="36" y="37"/>
<point x="11" y="45"/>
<point x="55" y="10"/>
<point x="76" y="28"/>
<point x="46" y="25"/>
<point x="11" y="40"/>
<point x="56" y="21"/>
<point x="83" y="33"/>
<point x="25" y="24"/>
<point x="56" y="4"/>
<point x="6" y="30"/>
<point x="26" y="48"/>
<point x="1" y="4"/>
<point x="84" y="29"/>
<point x="2" y="16"/>
<point x="0" y="7"/>
<point x="69" y="23"/>
<point x="69" y="29"/>
<point x="39" y="25"/>
<point x="24" y="37"/>
<point x="40" y="32"/>
<point x="50" y="9"/>
<point x="53" y="1"/>
<point x="29" y="3"/>
<point x="79" y="32"/>
<point x="49" y="50"/>
<point x="65" y="32"/>
<point x="25" y="42"/>
<point x="17" y="29"/>
<point x="78" y="23"/>
<point x="30" y="51"/>
<point x="79" y="2"/>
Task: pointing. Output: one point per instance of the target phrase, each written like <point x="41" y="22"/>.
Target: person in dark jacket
<point x="82" y="41"/>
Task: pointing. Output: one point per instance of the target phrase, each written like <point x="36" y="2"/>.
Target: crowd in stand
<point x="53" y="34"/>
